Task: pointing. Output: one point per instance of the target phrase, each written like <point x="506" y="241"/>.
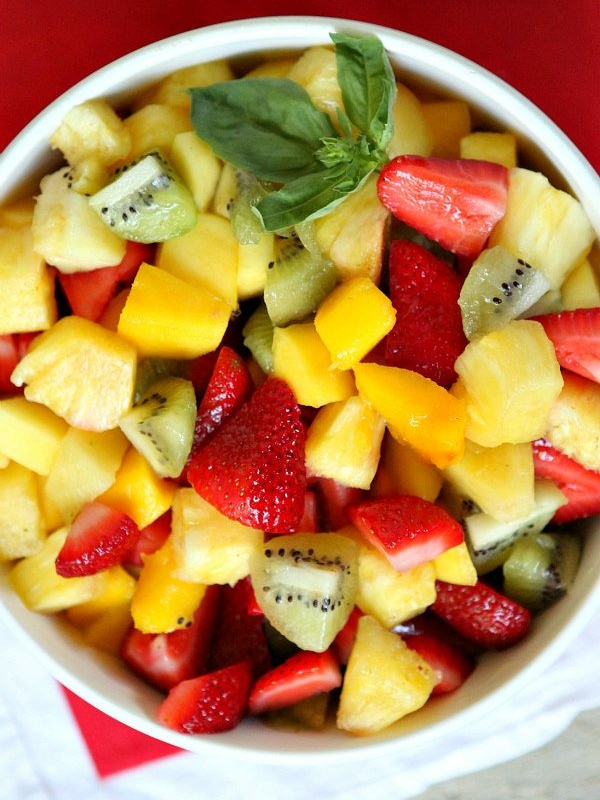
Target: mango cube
<point x="409" y="473"/>
<point x="449" y="121"/>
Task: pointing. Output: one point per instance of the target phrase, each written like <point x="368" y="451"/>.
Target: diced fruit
<point x="316" y="71"/>
<point x="117" y="590"/>
<point x="481" y="614"/>
<point x="170" y="90"/>
<point x="151" y="538"/>
<point x="500" y="147"/>
<point x="154" y="128"/>
<point x="302" y="675"/>
<point x="412" y="132"/>
<point x="576" y="339"/>
<point x="344" y="641"/>
<point x="417" y="410"/>
<point x="573" y="424"/>
<point x="452" y="201"/>
<point x="407" y="472"/>
<point x="253" y="262"/>
<point x="81" y="371"/>
<point x="22" y="526"/>
<point x="258" y="338"/>
<point x="384" y="681"/>
<point x="211" y="703"/>
<point x="579" y="485"/>
<point x="449" y="121"/>
<point x="198" y="166"/>
<point x="455" y="565"/>
<point x="334" y="499"/>
<point x="451" y="664"/>
<point x="511" y="379"/>
<point x="13" y="347"/>
<point x="30" y="433"/>
<point x="17" y="214"/>
<point x="306" y="586"/>
<point x="581" y="287"/>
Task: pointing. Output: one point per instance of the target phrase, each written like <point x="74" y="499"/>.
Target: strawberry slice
<point x="407" y="529"/>
<point x="151" y="539"/>
<point x="581" y="486"/>
<point x="252" y="468"/>
<point x="576" y="339"/>
<point x="165" y="659"/>
<point x="334" y="499"/>
<point x="13" y="347"/>
<point x="211" y="703"/>
<point x="99" y="537"/>
<point x="451" y="664"/>
<point x="344" y="641"/>
<point x="481" y="614"/>
<point x="455" y="202"/>
<point x="300" y="676"/>
<point x="428" y="335"/>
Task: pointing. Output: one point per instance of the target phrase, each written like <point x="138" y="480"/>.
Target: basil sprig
<point x="270" y="127"/>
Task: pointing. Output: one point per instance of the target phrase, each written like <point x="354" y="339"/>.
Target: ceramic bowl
<point x="104" y="682"/>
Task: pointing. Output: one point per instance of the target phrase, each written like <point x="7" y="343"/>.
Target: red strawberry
<point x="99" y="537"/>
<point x="211" y="703"/>
<point x="407" y="529"/>
<point x="581" y="486"/>
<point x="428" y="335"/>
<point x="481" y="614"/>
<point x="576" y="339"/>
<point x="151" y="538"/>
<point x="334" y="500"/>
<point x="300" y="676"/>
<point x="455" y="202"/>
<point x="252" y="467"/>
<point x="166" y="659"/>
<point x="344" y="641"/>
<point x="13" y="347"/>
<point x="452" y="665"/>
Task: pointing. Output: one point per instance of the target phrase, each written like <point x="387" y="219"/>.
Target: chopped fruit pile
<point x="287" y="456"/>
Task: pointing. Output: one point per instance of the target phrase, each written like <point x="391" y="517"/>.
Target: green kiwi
<point x="258" y="337"/>
<point x="160" y="425"/>
<point x="299" y="280"/>
<point x="490" y="541"/>
<point x="146" y="201"/>
<point x="149" y="370"/>
<point x="542" y="568"/>
<point x="306" y="585"/>
<point x="498" y="288"/>
<point x="247" y="226"/>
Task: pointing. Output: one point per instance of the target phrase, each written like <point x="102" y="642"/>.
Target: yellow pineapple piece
<point x="197" y="165"/>
<point x="138" y="491"/>
<point x="171" y="90"/>
<point x="226" y="191"/>
<point x="344" y="441"/>
<point x="449" y="121"/>
<point x="301" y="359"/>
<point x="68" y="233"/>
<point x="573" y="424"/>
<point x="418" y="411"/>
<point x="352" y="319"/>
<point x="40" y="588"/>
<point x="92" y="129"/>
<point x="455" y="565"/>
<point x="154" y="127"/>
<point x="384" y="681"/>
<point x="208" y="547"/>
<point x="543" y="225"/>
<point x="106" y="632"/>
<point x="316" y="71"/>
<point x="273" y="68"/>
<point x="499" y="148"/>
<point x="335" y="233"/>
<point x="22" y="526"/>
<point x="170" y="317"/>
<point x="30" y="433"/>
<point x="500" y="480"/>
<point x="510" y="379"/>
<point x="86" y="465"/>
<point x="581" y="288"/>
<point x="412" y="132"/>
<point x="408" y="472"/>
<point x="252" y="265"/>
<point x="81" y="371"/>
<point x="27" y="300"/>
<point x="117" y="590"/>
<point x="207" y="255"/>
<point x="17" y="214"/>
<point x="52" y="517"/>
<point x="162" y="602"/>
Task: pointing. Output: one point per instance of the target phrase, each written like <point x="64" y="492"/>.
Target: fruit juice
<point x="297" y="390"/>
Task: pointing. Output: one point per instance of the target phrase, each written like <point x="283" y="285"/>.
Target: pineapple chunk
<point x="273" y="68"/>
<point x="412" y="132"/>
<point x="117" y="590"/>
<point x="154" y="127"/>
<point x="92" y="129"/>
<point x="197" y="165"/>
<point x="449" y="121"/>
<point x="455" y="565"/>
<point x="27" y="300"/>
<point x="573" y="424"/>
<point x="253" y="263"/>
<point x="581" y="289"/>
<point x="499" y="148"/>
<point x="171" y="89"/>
<point x="30" y="434"/>
<point x="22" y="527"/>
<point x="384" y="681"/>
<point x="544" y="226"/>
<point x="208" y="547"/>
<point x="316" y="71"/>
<point x="81" y="371"/>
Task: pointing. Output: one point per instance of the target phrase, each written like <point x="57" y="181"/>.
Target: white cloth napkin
<point x="42" y="755"/>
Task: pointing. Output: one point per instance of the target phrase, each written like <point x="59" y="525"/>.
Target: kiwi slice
<point x="258" y="337"/>
<point x="542" y="568"/>
<point x="247" y="226"/>
<point x="490" y="541"/>
<point x="150" y="370"/>
<point x="146" y="201"/>
<point x="299" y="280"/>
<point x="161" y="424"/>
<point x="306" y="585"/>
<point x="498" y="288"/>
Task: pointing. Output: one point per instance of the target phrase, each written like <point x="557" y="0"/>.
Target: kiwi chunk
<point x="246" y="224"/>
<point x="498" y="288"/>
<point x="161" y="425"/>
<point x="306" y="585"/>
<point x="146" y="201"/>
<point x="258" y="337"/>
<point x="542" y="568"/>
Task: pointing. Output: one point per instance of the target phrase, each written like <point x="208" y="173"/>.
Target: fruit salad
<point x="299" y="390"/>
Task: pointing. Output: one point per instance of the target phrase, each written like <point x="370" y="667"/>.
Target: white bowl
<point x="105" y="683"/>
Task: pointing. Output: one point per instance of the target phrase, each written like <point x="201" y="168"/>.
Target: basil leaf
<point x="368" y="84"/>
<point x="268" y="126"/>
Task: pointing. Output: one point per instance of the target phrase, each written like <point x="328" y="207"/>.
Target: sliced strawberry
<point x="151" y="538"/>
<point x="455" y="202"/>
<point x="481" y="614"/>
<point x="344" y="641"/>
<point x="428" y="335"/>
<point x="211" y="703"/>
<point x="334" y="500"/>
<point x="88" y="293"/>
<point x="99" y="537"/>
<point x="166" y="659"/>
<point x="13" y="347"/>
<point x="310" y="518"/>
<point x="576" y="339"/>
<point x="452" y="664"/>
<point x="581" y="486"/>
<point x="300" y="676"/>
<point x="407" y="529"/>
<point x="252" y="468"/>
